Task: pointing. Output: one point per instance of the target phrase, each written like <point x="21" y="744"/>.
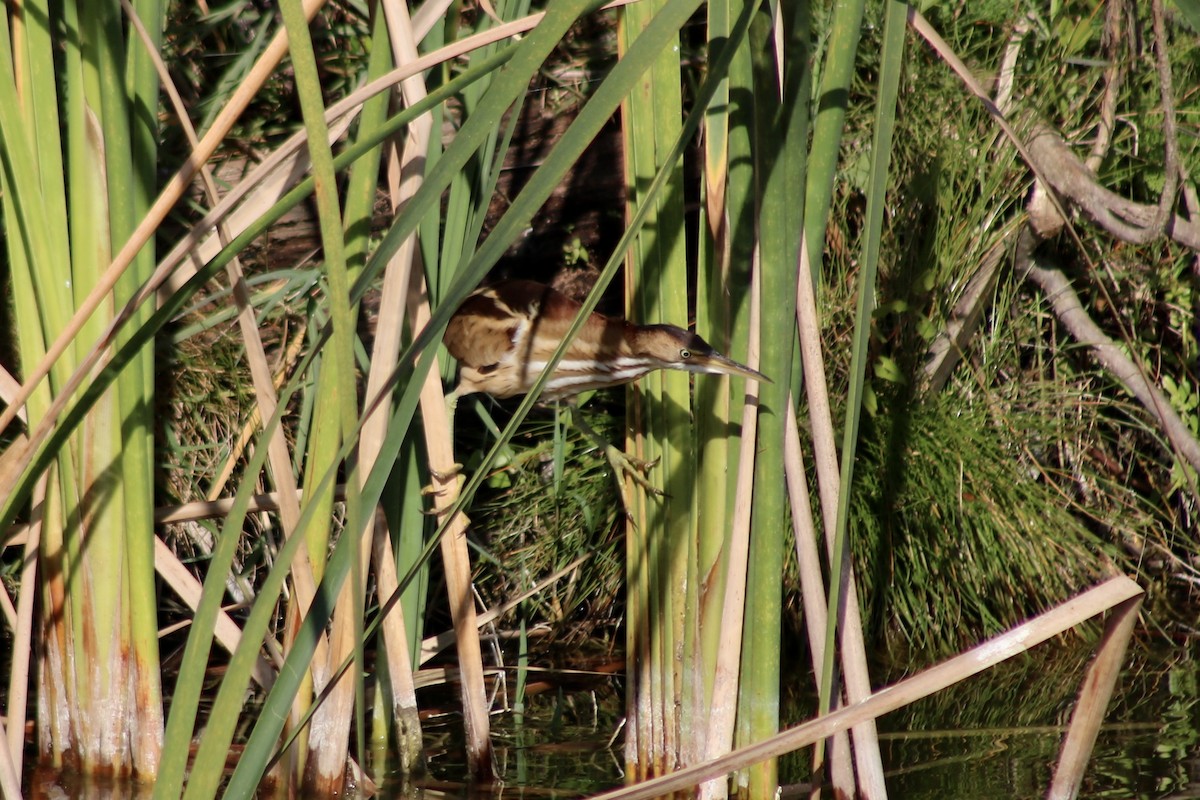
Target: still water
<point x="994" y="736"/>
<point x="1003" y="731"/>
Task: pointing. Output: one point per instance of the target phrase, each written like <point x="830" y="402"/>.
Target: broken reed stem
<point x="1015" y="641"/>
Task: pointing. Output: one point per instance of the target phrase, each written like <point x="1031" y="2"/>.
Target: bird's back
<point x="503" y="336"/>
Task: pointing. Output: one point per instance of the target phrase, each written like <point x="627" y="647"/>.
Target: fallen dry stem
<point x="1018" y="640"/>
<point x="1097" y="690"/>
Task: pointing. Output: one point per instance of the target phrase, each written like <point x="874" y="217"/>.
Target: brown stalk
<point x="869" y="764"/>
<point x="328" y="752"/>
<point x="405" y="171"/>
<point x="455" y="555"/>
<point x="1094" y="695"/>
<point x="723" y="706"/>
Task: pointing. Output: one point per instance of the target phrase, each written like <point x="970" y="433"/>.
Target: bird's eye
<point x="685" y="354"/>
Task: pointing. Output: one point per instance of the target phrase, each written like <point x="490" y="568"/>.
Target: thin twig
<point x="1069" y="310"/>
<point x="1166" y="200"/>
<point x="1054" y="163"/>
<point x="1113" y="80"/>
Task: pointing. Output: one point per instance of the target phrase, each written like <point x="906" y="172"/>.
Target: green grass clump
<point x="963" y="527"/>
<point x="554" y="501"/>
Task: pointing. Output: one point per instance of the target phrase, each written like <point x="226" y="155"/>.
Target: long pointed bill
<point x="717" y="364"/>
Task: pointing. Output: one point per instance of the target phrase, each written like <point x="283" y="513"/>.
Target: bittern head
<point x="669" y="347"/>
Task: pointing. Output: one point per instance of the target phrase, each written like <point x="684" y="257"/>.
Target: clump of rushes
<point x="975" y="532"/>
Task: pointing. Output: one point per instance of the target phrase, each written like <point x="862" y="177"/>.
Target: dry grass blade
<point x="404" y="176"/>
<point x="227" y="632"/>
<point x="7" y="607"/>
<point x="9" y="387"/>
<point x="432" y="645"/>
<point x="254" y="423"/>
<point x="723" y="709"/>
<point x="812" y="585"/>
<point x="22" y="644"/>
<point x="10" y="782"/>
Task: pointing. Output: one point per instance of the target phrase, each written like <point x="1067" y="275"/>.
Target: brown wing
<point x="602" y="337"/>
<point x="481" y="333"/>
<point x="478" y="333"/>
<point x="486" y="328"/>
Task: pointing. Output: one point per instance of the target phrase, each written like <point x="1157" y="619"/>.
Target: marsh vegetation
<point x="242" y="551"/>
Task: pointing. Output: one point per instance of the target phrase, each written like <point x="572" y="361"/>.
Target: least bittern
<point x="504" y="335"/>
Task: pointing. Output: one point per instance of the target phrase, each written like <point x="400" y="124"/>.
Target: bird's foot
<point x="635" y="468"/>
<point x="621" y="462"/>
<point x="441" y="479"/>
<point x="444" y="491"/>
<point x="455" y="471"/>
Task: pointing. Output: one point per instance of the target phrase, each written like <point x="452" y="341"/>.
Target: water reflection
<point x="957" y="745"/>
<point x="995" y="735"/>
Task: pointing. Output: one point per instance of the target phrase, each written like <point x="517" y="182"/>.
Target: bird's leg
<point x="620" y="461"/>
